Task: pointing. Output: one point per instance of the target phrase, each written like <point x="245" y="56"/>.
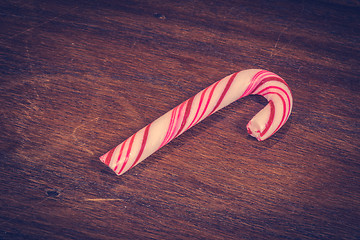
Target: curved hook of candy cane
<point x="220" y="94"/>
<point x="274" y="115"/>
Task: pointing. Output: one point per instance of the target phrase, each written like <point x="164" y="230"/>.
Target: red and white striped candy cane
<point x="220" y="94"/>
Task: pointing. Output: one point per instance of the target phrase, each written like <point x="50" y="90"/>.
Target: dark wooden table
<point x="79" y="77"/>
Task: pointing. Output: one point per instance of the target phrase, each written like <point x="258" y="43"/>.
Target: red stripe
<point x="146" y="133"/>
<point x="208" y="101"/>
<point x="128" y="153"/>
<point x="227" y="87"/>
<point x="198" y="109"/>
<point x="108" y="157"/>
<point x="172" y="136"/>
<point x="271" y="118"/>
<point x="284" y="110"/>
<point x="120" y="153"/>
<point x="273" y="78"/>
<point x="173" y="113"/>
<point x="186" y="115"/>
<point x="284" y="102"/>
<point x="252" y="82"/>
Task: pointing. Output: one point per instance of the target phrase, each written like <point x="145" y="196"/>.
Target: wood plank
<point x="78" y="78"/>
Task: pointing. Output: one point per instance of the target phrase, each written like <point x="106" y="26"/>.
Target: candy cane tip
<point x="254" y="130"/>
<point x="103" y="158"/>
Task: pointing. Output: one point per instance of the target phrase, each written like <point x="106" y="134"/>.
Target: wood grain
<point x="79" y="77"/>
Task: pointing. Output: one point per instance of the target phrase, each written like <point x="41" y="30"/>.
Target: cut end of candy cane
<point x="260" y="124"/>
<point x="103" y="157"/>
<point x="106" y="160"/>
<point x="254" y="130"/>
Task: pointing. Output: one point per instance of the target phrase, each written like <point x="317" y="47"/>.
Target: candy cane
<point x="220" y="94"/>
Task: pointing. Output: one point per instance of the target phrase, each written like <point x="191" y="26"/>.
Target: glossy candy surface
<point x="220" y="94"/>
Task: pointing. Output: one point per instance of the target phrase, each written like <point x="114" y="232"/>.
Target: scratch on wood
<point x="73" y="134"/>
<point x="41" y="24"/>
<point x="286" y="28"/>
<point x="102" y="199"/>
<point x="30" y="66"/>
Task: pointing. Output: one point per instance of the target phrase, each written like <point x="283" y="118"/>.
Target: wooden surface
<point x="78" y="78"/>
